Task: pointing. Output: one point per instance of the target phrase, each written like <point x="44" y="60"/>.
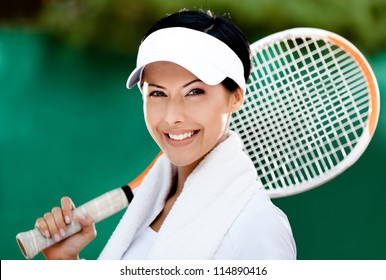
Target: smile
<point x="179" y="137"/>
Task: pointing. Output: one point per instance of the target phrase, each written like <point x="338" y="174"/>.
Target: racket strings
<point x="311" y="103"/>
<point x="334" y="92"/>
<point x="311" y="90"/>
<point x="307" y="76"/>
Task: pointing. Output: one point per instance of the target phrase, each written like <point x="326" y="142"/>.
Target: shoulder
<point x="261" y="231"/>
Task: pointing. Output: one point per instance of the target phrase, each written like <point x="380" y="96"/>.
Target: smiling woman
<point x="185" y="116"/>
<point x="201" y="199"/>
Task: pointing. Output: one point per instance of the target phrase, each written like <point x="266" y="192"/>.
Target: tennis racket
<point x="310" y="111"/>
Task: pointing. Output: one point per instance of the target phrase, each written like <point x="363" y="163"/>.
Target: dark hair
<point x="217" y="26"/>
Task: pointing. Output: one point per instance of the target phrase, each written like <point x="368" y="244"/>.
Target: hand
<point x="54" y="225"/>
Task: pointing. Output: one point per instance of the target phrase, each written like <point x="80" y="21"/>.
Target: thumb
<point x="88" y="226"/>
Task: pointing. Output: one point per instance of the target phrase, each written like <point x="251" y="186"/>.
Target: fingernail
<point x="56" y="237"/>
<point x="67" y="219"/>
<point x="62" y="232"/>
<point x="46" y="233"/>
<point x="81" y="217"/>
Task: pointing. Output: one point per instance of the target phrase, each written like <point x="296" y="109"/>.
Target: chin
<point x="180" y="160"/>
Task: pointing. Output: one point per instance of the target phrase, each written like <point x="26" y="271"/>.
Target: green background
<point x="68" y="126"/>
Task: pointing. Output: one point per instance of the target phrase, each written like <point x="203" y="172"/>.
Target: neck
<point x="183" y="173"/>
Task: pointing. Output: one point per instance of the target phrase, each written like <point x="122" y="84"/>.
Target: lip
<point x="180" y="143"/>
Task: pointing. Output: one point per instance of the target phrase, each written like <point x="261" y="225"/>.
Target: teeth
<point x="180" y="137"/>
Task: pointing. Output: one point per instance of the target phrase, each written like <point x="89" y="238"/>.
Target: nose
<point x="175" y="112"/>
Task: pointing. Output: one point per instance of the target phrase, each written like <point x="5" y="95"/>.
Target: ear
<point x="237" y="100"/>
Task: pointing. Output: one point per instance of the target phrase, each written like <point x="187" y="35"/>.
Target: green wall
<point x="68" y="126"/>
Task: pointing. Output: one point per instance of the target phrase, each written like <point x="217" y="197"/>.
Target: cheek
<point x="150" y="116"/>
<point x="216" y="116"/>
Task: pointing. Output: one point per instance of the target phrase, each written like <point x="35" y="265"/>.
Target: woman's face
<point x="186" y="117"/>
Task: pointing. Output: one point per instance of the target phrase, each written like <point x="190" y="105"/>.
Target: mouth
<point x="181" y="136"/>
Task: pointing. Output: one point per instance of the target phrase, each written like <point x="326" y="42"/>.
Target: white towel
<point x="213" y="196"/>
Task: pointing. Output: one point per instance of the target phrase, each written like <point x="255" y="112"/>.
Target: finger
<point x="52" y="227"/>
<point x="59" y="220"/>
<point x="67" y="207"/>
<point x="41" y="225"/>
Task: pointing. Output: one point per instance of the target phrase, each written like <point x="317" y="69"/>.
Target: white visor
<point x="206" y="57"/>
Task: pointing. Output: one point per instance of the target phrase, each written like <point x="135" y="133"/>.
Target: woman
<point x="201" y="199"/>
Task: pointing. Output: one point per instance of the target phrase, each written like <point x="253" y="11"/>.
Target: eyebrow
<point x="192" y="82"/>
<point x="184" y="86"/>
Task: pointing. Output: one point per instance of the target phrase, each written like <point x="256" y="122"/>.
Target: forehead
<point x="164" y="70"/>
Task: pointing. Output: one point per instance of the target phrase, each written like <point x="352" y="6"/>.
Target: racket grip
<point x="32" y="242"/>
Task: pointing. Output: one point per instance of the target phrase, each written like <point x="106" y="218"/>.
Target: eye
<point x="157" y="93"/>
<point x="196" y="91"/>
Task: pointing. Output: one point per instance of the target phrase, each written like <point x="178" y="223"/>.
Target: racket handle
<point x="32" y="242"/>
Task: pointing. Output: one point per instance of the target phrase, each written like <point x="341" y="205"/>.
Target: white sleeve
<point x="259" y="233"/>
